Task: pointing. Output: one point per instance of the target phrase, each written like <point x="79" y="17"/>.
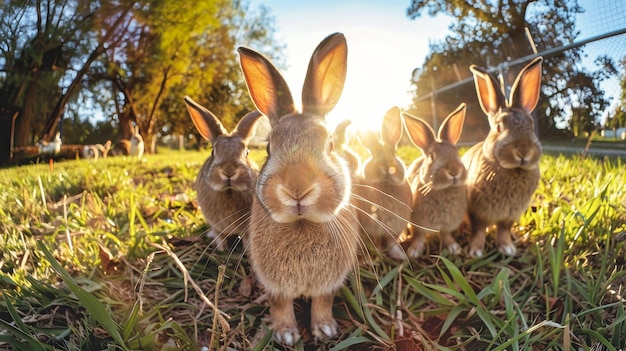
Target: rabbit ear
<point x="205" y="121"/>
<point x="490" y="94"/>
<point x="247" y="125"/>
<point x="420" y="133"/>
<point x="369" y="139"/>
<point x="266" y="85"/>
<point x="340" y="131"/>
<point x="392" y="127"/>
<point x="452" y="127"/>
<point x="527" y="86"/>
<point x="325" y="76"/>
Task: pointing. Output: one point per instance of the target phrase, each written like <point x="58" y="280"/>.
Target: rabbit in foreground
<point x="503" y="170"/>
<point x="381" y="193"/>
<point x="437" y="181"/>
<point x="136" y="143"/>
<point x="225" y="183"/>
<point x="303" y="237"/>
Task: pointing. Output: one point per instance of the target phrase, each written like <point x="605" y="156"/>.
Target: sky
<point x="384" y="47"/>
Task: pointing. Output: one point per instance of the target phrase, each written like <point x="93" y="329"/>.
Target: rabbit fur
<point x="226" y="181"/>
<point x="381" y="191"/>
<point x="503" y="170"/>
<point x="303" y="239"/>
<point x="136" y="143"/>
<point x="437" y="181"/>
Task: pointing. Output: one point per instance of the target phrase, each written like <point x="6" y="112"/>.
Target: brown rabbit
<point x="437" y="181"/>
<point x="225" y="183"/>
<point x="503" y="170"/>
<point x="303" y="238"/>
<point x="381" y="193"/>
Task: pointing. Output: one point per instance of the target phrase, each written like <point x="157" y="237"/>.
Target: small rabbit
<point x="381" y="193"/>
<point x="437" y="181"/>
<point x="96" y="151"/>
<point x="341" y="143"/>
<point x="225" y="183"/>
<point x="103" y="150"/>
<point x="50" y="148"/>
<point x="303" y="238"/>
<point x="91" y="152"/>
<point x="121" y="148"/>
<point x="503" y="170"/>
<point x="136" y="143"/>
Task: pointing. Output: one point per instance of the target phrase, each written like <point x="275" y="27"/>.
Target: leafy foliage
<point x="491" y="34"/>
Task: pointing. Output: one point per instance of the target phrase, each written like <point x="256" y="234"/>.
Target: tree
<point x="172" y="50"/>
<point x="38" y="40"/>
<point x="492" y="33"/>
<point x="617" y="119"/>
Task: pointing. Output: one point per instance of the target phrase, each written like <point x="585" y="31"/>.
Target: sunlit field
<point x="111" y="255"/>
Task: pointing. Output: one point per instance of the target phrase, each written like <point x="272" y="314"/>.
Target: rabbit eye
<point x="247" y="152"/>
<point x="267" y="148"/>
<point x="499" y="127"/>
<point x="212" y="151"/>
<point x="431" y="157"/>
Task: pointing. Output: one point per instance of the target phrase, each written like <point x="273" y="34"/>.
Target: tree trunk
<point x="24" y="131"/>
<point x="57" y="112"/>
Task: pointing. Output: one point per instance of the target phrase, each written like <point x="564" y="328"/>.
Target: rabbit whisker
<point x="369" y="187"/>
<point x="425" y="188"/>
<point x="344" y="222"/>
<point x="354" y="196"/>
<point x="364" y="247"/>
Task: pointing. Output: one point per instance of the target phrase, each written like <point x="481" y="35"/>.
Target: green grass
<point x="110" y="255"/>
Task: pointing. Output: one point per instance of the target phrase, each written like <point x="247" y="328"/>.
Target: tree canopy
<point x="498" y="35"/>
<point x="127" y="61"/>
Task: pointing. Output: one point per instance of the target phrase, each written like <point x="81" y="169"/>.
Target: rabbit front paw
<point x="476" y="252"/>
<point x="397" y="253"/>
<point x="508" y="249"/>
<point x="324" y="330"/>
<point x="416" y="248"/>
<point x="219" y="242"/>
<point x="454" y="248"/>
<point x="286" y="336"/>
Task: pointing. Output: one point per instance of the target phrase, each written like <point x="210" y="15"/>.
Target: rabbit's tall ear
<point x="340" y="131"/>
<point x="392" y="127"/>
<point x="325" y="76"/>
<point x="452" y="127"/>
<point x="490" y="94"/>
<point x="369" y="139"/>
<point x="527" y="86"/>
<point x="420" y="133"/>
<point x="205" y="121"/>
<point x="268" y="89"/>
<point x="247" y="125"/>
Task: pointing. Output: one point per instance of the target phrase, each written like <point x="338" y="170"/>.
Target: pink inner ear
<point x="325" y="76"/>
<point x="267" y="87"/>
<point x="527" y="86"/>
<point x="489" y="93"/>
<point x="420" y="133"/>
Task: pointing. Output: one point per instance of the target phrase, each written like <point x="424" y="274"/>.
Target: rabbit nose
<point x="523" y="152"/>
<point x="228" y="175"/>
